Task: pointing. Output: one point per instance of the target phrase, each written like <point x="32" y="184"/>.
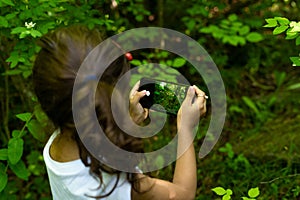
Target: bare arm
<point x="185" y="178"/>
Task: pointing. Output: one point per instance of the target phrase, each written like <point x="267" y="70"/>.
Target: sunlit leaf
<point x="282" y="20"/>
<point x="253" y="192"/>
<point x="290" y="34"/>
<point x="271" y="22"/>
<point x="219" y="190"/>
<point x="226" y="197"/>
<point x="229" y="191"/>
<point x="280" y="29"/>
<point x="295" y="26"/>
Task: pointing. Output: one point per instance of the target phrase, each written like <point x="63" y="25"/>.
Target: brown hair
<point x="62" y="52"/>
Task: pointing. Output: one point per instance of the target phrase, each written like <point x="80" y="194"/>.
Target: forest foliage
<point x="255" y="45"/>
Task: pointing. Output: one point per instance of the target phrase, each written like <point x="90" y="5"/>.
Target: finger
<point x="146" y="113"/>
<point x="137" y="96"/>
<point x="200" y="94"/>
<point x="134" y="89"/>
<point x="198" y="91"/>
<point x="203" y="109"/>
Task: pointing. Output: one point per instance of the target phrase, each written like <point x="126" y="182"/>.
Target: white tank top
<point x="73" y="181"/>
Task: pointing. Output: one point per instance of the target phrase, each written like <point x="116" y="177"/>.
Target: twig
<point x="6" y="101"/>
<point x="281" y="177"/>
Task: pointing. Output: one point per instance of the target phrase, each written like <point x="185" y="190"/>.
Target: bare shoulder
<point x="64" y="149"/>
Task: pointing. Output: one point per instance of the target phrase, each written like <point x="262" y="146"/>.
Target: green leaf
<point x="294" y="86"/>
<point x="168" y="63"/>
<point x="210" y="29"/>
<point x="3" y="154"/>
<point x="36" y="130"/>
<point x="246" y="198"/>
<point x="253" y="192"/>
<point x="18" y="133"/>
<point x="41" y="115"/>
<point x="139" y="18"/>
<point x="280" y="29"/>
<point x="24" y="116"/>
<point x="3" y="22"/>
<point x="290" y="34"/>
<point x="279" y="77"/>
<point x="18" y="30"/>
<point x="254" y="37"/>
<point x="35" y="33"/>
<point x="250" y="104"/>
<point x="20" y="170"/>
<point x="229" y="191"/>
<point x="271" y="22"/>
<point x="135" y="62"/>
<point x="298" y="40"/>
<point x="244" y="30"/>
<point x="10" y="16"/>
<point x="24" y="34"/>
<point x="233" y="17"/>
<point x="226" y="197"/>
<point x="12" y="72"/>
<point x="8" y="2"/>
<point x="219" y="191"/>
<point x="295" y="26"/>
<point x="282" y="20"/>
<point x="178" y="62"/>
<point x="26" y="73"/>
<point x="159" y="161"/>
<point x="3" y="177"/>
<point x="295" y="60"/>
<point x="15" y="150"/>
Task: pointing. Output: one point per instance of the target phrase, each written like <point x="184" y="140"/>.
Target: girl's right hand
<point x="191" y="109"/>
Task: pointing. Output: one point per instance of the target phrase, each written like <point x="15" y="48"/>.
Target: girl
<point x="72" y="170"/>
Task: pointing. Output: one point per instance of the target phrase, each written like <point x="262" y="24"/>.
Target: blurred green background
<point x="253" y="43"/>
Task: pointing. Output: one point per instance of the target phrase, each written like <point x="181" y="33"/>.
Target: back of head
<point x="56" y="67"/>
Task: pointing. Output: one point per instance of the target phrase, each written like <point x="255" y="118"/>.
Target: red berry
<point x="128" y="56"/>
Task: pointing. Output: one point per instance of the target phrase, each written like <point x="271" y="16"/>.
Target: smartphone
<point x="162" y="95"/>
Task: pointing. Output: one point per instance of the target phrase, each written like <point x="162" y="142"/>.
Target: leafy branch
<point x="290" y="28"/>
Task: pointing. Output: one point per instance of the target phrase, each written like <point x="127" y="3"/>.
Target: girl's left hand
<point x="137" y="112"/>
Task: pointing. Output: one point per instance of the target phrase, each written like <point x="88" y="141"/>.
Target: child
<point x="73" y="172"/>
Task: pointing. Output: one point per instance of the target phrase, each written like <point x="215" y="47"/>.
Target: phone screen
<point x="162" y="95"/>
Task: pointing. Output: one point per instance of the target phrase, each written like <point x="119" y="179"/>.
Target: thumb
<point x="190" y="95"/>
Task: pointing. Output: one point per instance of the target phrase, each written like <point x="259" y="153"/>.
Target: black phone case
<point x="171" y="107"/>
